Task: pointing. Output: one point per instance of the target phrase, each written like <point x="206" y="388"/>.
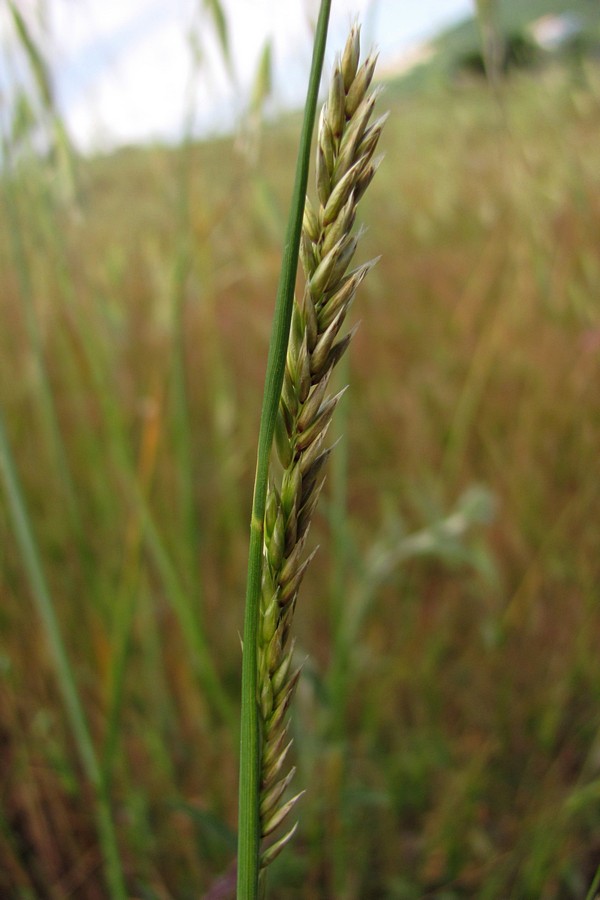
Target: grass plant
<point x="344" y="169"/>
<point x="250" y="826"/>
<point x="64" y="673"/>
<point x="446" y="721"/>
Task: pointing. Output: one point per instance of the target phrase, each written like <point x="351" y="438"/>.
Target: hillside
<point x="539" y="31"/>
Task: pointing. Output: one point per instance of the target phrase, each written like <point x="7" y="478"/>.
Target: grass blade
<point x="64" y="673"/>
<point x="249" y="831"/>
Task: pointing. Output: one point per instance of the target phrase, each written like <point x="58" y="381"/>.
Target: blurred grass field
<point x="448" y="721"/>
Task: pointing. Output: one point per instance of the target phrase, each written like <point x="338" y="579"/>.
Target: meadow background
<point x="447" y="725"/>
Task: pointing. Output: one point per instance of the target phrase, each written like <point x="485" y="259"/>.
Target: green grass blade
<point x="591" y="894"/>
<point x="64" y="673"/>
<point x="42" y="77"/>
<point x="187" y="608"/>
<point x="217" y="13"/>
<point x="36" y="61"/>
<point x="47" y="405"/>
<point x="248" y="837"/>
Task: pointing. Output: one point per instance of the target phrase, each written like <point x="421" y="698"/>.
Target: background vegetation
<point x="447" y="725"/>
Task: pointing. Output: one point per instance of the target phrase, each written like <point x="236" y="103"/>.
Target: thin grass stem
<point x="64" y="673"/>
<point x="592" y="893"/>
<point x="50" y="421"/>
<point x="249" y="827"/>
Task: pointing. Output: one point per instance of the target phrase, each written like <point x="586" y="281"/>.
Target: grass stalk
<point x="249" y="826"/>
<point x="304" y="410"/>
<point x="48" y="411"/>
<point x="190" y="620"/>
<point x="592" y="894"/>
<point x="177" y="374"/>
<point x="64" y="673"/>
<point x="344" y="169"/>
<point x="341" y="550"/>
<point x="187" y="609"/>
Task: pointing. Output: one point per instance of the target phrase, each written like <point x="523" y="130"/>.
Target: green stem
<point x="591" y="894"/>
<point x="249" y="826"/>
<point x="18" y="232"/>
<point x="64" y="672"/>
<point x="341" y="551"/>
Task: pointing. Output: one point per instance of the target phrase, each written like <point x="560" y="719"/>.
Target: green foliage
<point x="34" y="110"/>
<point x="263" y="81"/>
<point x="217" y="14"/>
<point x="21" y="525"/>
<point x="39" y="67"/>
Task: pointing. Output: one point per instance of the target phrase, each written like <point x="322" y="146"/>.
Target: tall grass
<point x="447" y="718"/>
<point x="297" y="420"/>
<point x="253" y="738"/>
<point x="66" y="680"/>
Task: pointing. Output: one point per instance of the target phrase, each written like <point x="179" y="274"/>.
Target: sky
<point x="129" y="71"/>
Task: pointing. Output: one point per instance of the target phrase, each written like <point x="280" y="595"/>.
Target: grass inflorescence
<point x="345" y="165"/>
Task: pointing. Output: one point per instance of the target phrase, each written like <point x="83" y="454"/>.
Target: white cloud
<point x="123" y="67"/>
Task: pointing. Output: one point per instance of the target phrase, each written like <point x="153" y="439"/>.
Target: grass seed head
<point x="344" y="168"/>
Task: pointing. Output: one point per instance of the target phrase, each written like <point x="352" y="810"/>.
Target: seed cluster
<point x="344" y="169"/>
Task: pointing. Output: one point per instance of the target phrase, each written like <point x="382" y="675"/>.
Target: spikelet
<point x="344" y="168"/>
